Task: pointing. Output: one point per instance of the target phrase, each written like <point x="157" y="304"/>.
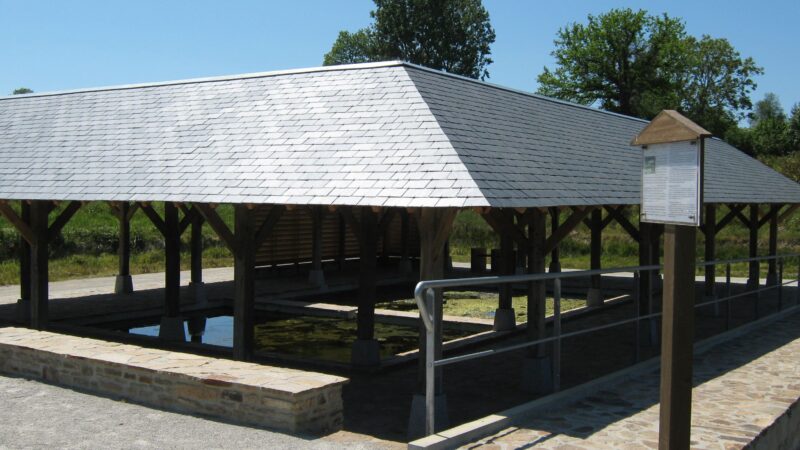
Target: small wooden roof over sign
<point x="670" y="126"/>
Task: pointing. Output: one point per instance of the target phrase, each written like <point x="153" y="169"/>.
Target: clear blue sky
<point x="55" y="45"/>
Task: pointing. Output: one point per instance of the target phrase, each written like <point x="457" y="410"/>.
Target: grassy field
<point x="87" y="245"/>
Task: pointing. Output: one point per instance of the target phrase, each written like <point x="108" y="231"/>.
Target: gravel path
<point x="37" y="415"/>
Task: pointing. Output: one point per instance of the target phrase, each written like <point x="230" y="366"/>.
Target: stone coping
<point x="279" y="380"/>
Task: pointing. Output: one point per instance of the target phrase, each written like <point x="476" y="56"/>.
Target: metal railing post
<point x="797" y="286"/>
<point x="557" y="333"/>
<point x="637" y="313"/>
<point x="430" y="370"/>
<point x="728" y="292"/>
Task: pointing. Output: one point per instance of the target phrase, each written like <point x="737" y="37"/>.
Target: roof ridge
<point x="519" y="91"/>
<point x="244" y="76"/>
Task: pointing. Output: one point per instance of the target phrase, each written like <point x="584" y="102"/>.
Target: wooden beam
<point x="63" y="218"/>
<point x="132" y="210"/>
<point x="189" y="215"/>
<point x="787" y="212"/>
<point x="565" y="228"/>
<point x="22" y="228"/>
<point x="157" y="221"/>
<point x="25" y="260"/>
<point x="274" y="215"/>
<point x="502" y="222"/>
<point x="365" y="328"/>
<point x="773" y="211"/>
<point x="743" y="219"/>
<point x="624" y="222"/>
<point x="217" y="224"/>
<point x="537" y="295"/>
<point x="710" y="228"/>
<point x="733" y="209"/>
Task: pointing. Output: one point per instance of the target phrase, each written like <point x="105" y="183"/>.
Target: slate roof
<point x="382" y="134"/>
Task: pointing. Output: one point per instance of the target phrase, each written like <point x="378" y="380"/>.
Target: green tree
<point x="637" y="64"/>
<point x="794" y="128"/>
<point x="22" y="90"/>
<point x="450" y="35"/>
<point x="623" y="61"/>
<point x="351" y="48"/>
<point x="716" y="85"/>
<point x="770" y="127"/>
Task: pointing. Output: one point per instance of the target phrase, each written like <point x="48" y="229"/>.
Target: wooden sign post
<point x="672" y="194"/>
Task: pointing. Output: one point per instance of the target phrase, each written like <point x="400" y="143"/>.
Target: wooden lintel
<point x="623" y="221"/>
<point x="502" y="222"/>
<point x="132" y="210"/>
<point x="63" y="218"/>
<point x="728" y="217"/>
<point x="157" y="221"/>
<point x="217" y="224"/>
<point x="269" y="223"/>
<point x="22" y="228"/>
<point x="575" y="219"/>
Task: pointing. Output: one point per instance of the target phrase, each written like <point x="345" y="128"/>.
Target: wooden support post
<point x="316" y="275"/>
<point x="172" y="274"/>
<point x="710" y="227"/>
<point x="340" y="256"/>
<point x="435" y="225"/>
<point x="244" y="283"/>
<point x="677" y="338"/>
<point x="25" y="262"/>
<point x="753" y="273"/>
<point x="124" y="282"/>
<point x="772" y="272"/>
<point x="595" y="295"/>
<point x="196" y="247"/>
<point x="505" y="317"/>
<point x="40" y="211"/>
<point x="537" y="370"/>
<point x="405" y="259"/>
<point x="645" y="258"/>
<point x="366" y="349"/>
<point x="555" y="260"/>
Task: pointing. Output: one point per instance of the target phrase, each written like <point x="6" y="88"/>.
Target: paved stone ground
<point x="741" y="387"/>
<point x="36" y="415"/>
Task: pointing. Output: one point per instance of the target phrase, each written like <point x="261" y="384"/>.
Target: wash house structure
<point x="367" y="164"/>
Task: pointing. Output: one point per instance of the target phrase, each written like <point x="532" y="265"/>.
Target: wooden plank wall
<point x="290" y="241"/>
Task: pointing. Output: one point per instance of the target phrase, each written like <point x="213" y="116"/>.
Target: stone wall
<point x="272" y="397"/>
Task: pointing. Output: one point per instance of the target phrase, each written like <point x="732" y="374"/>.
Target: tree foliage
<point x="450" y="35"/>
<point x="22" y="90"/>
<point x="637" y="64"/>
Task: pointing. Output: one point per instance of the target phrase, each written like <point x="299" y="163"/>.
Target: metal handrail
<point x="425" y="297"/>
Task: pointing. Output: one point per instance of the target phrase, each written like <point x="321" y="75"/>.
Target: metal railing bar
<point x="741" y="260"/>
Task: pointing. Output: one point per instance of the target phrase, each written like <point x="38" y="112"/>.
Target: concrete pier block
<point x="772" y="279"/>
<point x="24" y="311"/>
<point x="317" y="277"/>
<point x="197" y="292"/>
<point x="416" y="419"/>
<point x="594" y="298"/>
<point x="197" y="328"/>
<point x="504" y="319"/>
<point x="366" y="353"/>
<point x="123" y="284"/>
<point x="172" y="329"/>
<point x="537" y="375"/>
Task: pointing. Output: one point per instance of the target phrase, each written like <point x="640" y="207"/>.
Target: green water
<point x="331" y="338"/>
